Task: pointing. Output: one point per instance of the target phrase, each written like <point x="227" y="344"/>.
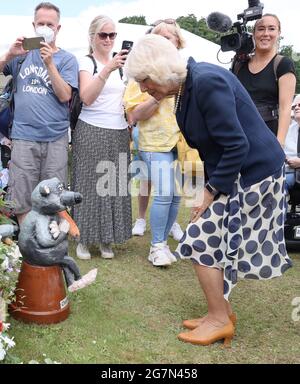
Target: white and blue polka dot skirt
<point x="242" y="234"/>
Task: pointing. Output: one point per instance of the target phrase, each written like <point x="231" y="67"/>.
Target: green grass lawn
<point x="133" y="313"/>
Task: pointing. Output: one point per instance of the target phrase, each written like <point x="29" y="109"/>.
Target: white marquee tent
<point x="74" y="31"/>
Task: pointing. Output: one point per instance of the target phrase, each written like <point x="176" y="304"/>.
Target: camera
<point x="241" y="40"/>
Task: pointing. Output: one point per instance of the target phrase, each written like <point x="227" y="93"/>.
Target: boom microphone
<point x="218" y="22"/>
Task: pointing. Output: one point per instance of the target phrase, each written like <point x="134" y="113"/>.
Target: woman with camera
<point x="100" y="144"/>
<point x="269" y="78"/>
<point x="237" y="228"/>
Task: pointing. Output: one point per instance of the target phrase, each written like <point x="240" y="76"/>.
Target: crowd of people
<point x="237" y="227"/>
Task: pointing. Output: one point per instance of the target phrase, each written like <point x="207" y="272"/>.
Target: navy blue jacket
<point x="219" y="119"/>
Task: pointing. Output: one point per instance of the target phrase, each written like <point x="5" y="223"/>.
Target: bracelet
<point x="102" y="78"/>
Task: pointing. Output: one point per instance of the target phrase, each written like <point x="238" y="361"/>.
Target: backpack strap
<point x="21" y="60"/>
<point x="237" y="64"/>
<point x="94" y="62"/>
<point x="237" y="67"/>
<point x="276" y="62"/>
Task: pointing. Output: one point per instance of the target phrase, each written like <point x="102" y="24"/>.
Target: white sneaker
<point x="82" y="252"/>
<point x="176" y="232"/>
<point x="158" y="255"/>
<point x="139" y="227"/>
<point x="106" y="251"/>
<point x="170" y="255"/>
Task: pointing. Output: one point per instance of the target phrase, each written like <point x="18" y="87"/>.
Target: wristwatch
<point x="211" y="190"/>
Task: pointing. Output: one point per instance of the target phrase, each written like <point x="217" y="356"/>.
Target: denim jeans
<point x="290" y="180"/>
<point x="166" y="200"/>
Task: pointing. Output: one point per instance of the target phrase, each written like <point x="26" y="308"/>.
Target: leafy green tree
<point x="140" y="20"/>
<point x="287" y="50"/>
<point x="198" y="27"/>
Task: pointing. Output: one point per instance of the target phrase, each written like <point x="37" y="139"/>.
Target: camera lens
<point x="230" y="42"/>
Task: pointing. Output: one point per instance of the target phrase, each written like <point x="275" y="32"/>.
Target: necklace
<point x="177" y="99"/>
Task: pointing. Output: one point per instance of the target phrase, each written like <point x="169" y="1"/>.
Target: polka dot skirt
<point x="242" y="234"/>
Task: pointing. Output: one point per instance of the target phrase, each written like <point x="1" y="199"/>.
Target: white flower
<point x="2" y="352"/>
<point x="2" y="309"/>
<point x="5" y="264"/>
<point x="15" y="254"/>
<point x="6" y="327"/>
<point x="9" y="342"/>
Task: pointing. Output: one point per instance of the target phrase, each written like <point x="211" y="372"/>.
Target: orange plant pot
<point x="40" y="296"/>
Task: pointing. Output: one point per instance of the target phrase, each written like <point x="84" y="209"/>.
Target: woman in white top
<point x="101" y="140"/>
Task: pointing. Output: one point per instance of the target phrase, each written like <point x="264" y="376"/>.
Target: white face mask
<point x="45" y="32"/>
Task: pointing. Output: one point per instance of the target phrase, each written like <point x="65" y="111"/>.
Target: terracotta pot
<point x="40" y="295"/>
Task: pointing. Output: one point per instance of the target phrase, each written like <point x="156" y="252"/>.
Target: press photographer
<point x="268" y="77"/>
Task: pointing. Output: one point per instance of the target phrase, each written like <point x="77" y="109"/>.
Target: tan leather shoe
<point x="194" y="323"/>
<point x="196" y="336"/>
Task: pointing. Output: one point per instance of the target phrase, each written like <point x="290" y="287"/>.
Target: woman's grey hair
<point x="172" y="28"/>
<point x="156" y="58"/>
<point x="96" y="25"/>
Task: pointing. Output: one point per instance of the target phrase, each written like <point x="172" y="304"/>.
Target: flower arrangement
<point x="10" y="264"/>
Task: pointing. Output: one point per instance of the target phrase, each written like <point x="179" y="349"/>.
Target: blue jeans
<point x="290" y="180"/>
<point x="135" y="138"/>
<point x="137" y="172"/>
<point x="166" y="200"/>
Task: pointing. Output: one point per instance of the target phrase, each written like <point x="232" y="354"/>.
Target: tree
<point x="287" y="50"/>
<point x="140" y="20"/>
<point x="198" y="27"/>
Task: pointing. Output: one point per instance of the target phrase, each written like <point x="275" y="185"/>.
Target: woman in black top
<point x="270" y="80"/>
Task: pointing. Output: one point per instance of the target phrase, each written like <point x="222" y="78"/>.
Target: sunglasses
<point x="295" y="105"/>
<point x="167" y="21"/>
<point x="104" y="35"/>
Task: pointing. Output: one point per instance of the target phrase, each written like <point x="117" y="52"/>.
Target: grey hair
<point x="96" y="25"/>
<point x="156" y="58"/>
<point x="47" y="5"/>
<point x="172" y="28"/>
<point x="297" y="97"/>
<point x="295" y="101"/>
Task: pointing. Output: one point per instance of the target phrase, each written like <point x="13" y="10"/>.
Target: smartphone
<point x="32" y="43"/>
<point x="126" y="44"/>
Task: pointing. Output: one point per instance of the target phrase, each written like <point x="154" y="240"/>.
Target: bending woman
<point x="237" y="228"/>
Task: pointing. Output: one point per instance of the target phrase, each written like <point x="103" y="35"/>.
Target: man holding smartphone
<point x="44" y="82"/>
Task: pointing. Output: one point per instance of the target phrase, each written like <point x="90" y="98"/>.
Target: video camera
<point x="240" y="41"/>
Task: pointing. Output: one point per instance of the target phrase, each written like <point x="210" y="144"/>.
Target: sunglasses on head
<point x="104" y="35"/>
<point x="167" y="21"/>
<point x="295" y="105"/>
